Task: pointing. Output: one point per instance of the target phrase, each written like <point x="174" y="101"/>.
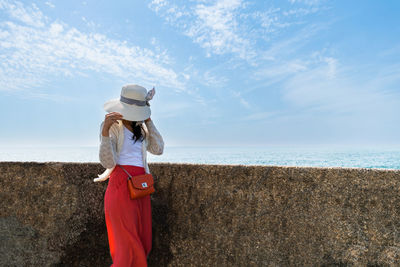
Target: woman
<point x="124" y="142"/>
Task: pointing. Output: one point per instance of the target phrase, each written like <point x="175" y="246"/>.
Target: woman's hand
<point x="147" y="120"/>
<point x="109" y="120"/>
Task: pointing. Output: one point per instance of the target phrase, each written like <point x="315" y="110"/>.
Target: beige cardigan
<point x="111" y="146"/>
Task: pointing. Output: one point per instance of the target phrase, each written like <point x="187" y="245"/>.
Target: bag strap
<point x="126" y="172"/>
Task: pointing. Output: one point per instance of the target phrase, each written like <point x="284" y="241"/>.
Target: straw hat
<point x="133" y="103"/>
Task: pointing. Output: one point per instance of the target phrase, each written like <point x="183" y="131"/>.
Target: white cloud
<point x="213" y="80"/>
<point x="38" y="50"/>
<point x="307" y="2"/>
<point x="91" y="24"/>
<point x="270" y="21"/>
<point x="328" y="87"/>
<point x="50" y="4"/>
<point x="318" y="86"/>
<point x="281" y="70"/>
<point x="331" y="67"/>
<point x="228" y="27"/>
<point x="241" y="99"/>
<point x="47" y="96"/>
<point x="214" y="26"/>
<point x="31" y="15"/>
<point x="216" y="29"/>
<point x="158" y="4"/>
<point x="300" y="11"/>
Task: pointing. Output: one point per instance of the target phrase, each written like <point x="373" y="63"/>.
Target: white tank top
<point x="131" y="153"/>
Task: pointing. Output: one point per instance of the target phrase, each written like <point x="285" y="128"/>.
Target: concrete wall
<point x="206" y="215"/>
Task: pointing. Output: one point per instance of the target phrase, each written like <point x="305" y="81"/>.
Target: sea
<point x="274" y="155"/>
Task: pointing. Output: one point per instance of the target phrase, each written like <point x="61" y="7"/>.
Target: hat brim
<point x="129" y="112"/>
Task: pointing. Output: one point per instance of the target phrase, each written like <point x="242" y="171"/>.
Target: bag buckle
<point x="144" y="185"/>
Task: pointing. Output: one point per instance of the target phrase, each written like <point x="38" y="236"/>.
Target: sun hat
<point x="133" y="103"/>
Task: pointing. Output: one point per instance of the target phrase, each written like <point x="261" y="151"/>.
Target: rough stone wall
<point x="206" y="215"/>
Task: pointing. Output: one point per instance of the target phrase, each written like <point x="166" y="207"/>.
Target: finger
<point x="115" y="116"/>
<point x="113" y="113"/>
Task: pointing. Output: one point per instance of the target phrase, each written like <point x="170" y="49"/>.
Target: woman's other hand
<point x="147" y="120"/>
<point x="109" y="120"/>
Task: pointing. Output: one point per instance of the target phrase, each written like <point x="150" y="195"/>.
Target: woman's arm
<point x="155" y="143"/>
<point x="107" y="151"/>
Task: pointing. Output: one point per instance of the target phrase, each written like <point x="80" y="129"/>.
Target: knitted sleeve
<point x="107" y="151"/>
<point x="155" y="143"/>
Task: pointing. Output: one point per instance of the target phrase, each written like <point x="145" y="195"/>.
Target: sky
<point x="226" y="72"/>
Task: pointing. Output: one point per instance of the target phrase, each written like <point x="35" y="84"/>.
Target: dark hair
<point x="137" y="132"/>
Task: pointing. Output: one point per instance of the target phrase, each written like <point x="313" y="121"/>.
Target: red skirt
<point x="128" y="220"/>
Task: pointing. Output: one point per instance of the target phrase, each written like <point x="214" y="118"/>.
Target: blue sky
<point x="226" y="72"/>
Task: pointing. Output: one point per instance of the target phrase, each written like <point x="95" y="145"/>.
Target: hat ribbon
<point x="136" y="102"/>
<point x="132" y="101"/>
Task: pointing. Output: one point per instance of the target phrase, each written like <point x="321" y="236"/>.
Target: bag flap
<point x="143" y="181"/>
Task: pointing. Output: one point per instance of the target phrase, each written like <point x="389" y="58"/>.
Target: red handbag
<point x="140" y="185"/>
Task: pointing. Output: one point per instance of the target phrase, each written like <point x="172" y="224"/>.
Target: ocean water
<point x="317" y="156"/>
